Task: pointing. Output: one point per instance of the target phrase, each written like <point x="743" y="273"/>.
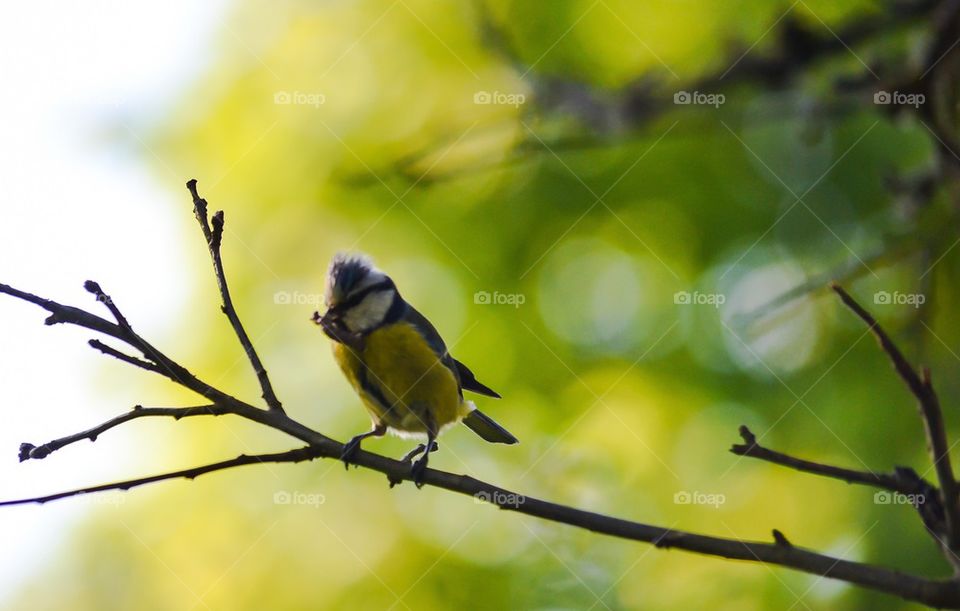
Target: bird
<point x="398" y="364"/>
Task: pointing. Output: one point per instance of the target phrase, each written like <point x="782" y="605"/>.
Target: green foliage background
<point x="621" y="397"/>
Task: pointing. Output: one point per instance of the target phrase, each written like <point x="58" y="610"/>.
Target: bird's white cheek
<point x="368" y="313"/>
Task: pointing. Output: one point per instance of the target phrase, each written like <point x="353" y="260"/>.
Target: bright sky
<point x="78" y="77"/>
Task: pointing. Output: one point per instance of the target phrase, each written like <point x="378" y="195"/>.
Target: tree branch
<point x="64" y="314"/>
<point x="780" y="551"/>
<point x="930" y="412"/>
<point x="126" y="358"/>
<point x="298" y="455"/>
<point x="751" y="448"/>
<point x="214" y="237"/>
<point x="922" y="494"/>
<point x="29" y="451"/>
<point x="937" y="593"/>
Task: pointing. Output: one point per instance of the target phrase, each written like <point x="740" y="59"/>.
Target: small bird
<point x="397" y="362"/>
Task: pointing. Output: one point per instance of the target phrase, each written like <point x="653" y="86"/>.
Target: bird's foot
<point x="350" y="450"/>
<point x="419" y="450"/>
<point x="419" y="469"/>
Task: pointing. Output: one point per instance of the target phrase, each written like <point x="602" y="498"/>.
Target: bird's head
<point x="359" y="296"/>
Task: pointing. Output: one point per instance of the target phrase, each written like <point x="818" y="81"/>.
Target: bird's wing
<point x="432" y="336"/>
<point x="469" y="381"/>
<point x="465" y="378"/>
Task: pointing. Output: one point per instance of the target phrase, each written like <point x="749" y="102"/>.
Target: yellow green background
<point x="621" y="397"/>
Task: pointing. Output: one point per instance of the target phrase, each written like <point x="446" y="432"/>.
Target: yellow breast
<point x="401" y="380"/>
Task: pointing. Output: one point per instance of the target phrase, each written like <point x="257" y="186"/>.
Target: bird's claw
<point x="419" y="450"/>
<point x="349" y="451"/>
<point x="419" y="469"/>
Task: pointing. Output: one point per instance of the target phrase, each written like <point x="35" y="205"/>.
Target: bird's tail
<point x="484" y="425"/>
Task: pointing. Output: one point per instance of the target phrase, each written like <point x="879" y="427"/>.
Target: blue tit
<point x="397" y="362"/>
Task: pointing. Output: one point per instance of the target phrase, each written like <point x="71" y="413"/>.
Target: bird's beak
<point x="328" y="322"/>
<point x="322" y="321"/>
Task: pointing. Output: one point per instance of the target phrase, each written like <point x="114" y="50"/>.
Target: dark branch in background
<point x="214" y="237"/>
<point x="797" y="46"/>
<point x="930" y="412"/>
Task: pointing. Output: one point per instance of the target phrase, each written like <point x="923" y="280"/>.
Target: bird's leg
<point x="419" y="468"/>
<point x="351" y="447"/>
<point x="417" y="450"/>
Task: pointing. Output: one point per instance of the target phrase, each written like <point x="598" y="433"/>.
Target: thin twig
<point x="751" y="448"/>
<point x="298" y="455"/>
<point x="214" y="237"/>
<point x="126" y="358"/>
<point x="29" y="451"/>
<point x="64" y="314"/>
<point x="93" y="287"/>
<point x="930" y="412"/>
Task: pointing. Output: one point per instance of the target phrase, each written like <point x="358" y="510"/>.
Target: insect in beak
<point x="334" y="328"/>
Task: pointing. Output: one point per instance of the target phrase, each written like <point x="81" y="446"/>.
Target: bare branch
<point x="214" y="237"/>
<point x="751" y="448"/>
<point x="126" y="358"/>
<point x="924" y="496"/>
<point x="60" y="313"/>
<point x="63" y="314"/>
<point x="942" y="594"/>
<point x="298" y="455"/>
<point x="29" y="451"/>
<point x="930" y="412"/>
<point x="92" y="287"/>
